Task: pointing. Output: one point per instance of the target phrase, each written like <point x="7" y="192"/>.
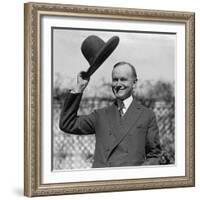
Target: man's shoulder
<point x="105" y="108"/>
<point x="144" y="108"/>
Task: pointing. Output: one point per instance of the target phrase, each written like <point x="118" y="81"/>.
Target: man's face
<point x="123" y="81"/>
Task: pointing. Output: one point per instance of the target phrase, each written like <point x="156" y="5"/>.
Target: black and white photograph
<point x="113" y="98"/>
<point x="108" y="99"/>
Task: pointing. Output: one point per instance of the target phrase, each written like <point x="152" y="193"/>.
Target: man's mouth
<point x="117" y="89"/>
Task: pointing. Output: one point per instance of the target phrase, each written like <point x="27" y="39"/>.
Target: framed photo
<point x="80" y="62"/>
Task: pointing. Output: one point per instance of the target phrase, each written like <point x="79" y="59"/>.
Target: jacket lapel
<point x="113" y="119"/>
<point x="121" y="128"/>
<point x="130" y="117"/>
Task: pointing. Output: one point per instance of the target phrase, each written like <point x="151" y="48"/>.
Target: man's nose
<point x="118" y="83"/>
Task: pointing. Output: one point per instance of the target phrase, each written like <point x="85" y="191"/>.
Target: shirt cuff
<point x="73" y="91"/>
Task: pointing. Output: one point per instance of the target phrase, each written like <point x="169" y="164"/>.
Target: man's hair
<point x="130" y="65"/>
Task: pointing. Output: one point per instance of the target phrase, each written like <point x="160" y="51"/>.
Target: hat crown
<point x="91" y="46"/>
<point x="96" y="51"/>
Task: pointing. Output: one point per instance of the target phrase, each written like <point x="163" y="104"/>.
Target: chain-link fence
<point x="76" y="152"/>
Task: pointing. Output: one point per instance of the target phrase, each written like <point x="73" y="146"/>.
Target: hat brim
<point x="103" y="54"/>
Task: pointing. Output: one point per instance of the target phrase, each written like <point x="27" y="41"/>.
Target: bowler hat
<point x="96" y="51"/>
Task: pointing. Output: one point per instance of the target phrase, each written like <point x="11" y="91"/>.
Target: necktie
<point x="120" y="108"/>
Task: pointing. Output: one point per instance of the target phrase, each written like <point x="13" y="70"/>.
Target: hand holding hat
<point x="96" y="51"/>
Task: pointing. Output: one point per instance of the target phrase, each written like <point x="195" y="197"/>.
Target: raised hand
<point x="82" y="82"/>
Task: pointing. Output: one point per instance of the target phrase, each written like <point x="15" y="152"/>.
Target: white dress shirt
<point x="127" y="102"/>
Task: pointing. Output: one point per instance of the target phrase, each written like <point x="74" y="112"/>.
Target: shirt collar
<point x="127" y="102"/>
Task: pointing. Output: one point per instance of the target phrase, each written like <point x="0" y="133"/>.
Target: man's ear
<point x="134" y="85"/>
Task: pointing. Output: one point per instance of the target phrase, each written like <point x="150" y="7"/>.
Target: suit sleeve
<point x="153" y="149"/>
<point x="70" y="122"/>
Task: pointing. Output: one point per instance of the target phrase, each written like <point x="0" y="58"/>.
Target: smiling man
<point x="126" y="132"/>
<point x="124" y="80"/>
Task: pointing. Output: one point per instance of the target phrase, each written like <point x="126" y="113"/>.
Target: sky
<point x="152" y="54"/>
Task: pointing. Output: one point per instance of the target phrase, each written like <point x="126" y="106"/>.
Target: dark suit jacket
<point x="129" y="141"/>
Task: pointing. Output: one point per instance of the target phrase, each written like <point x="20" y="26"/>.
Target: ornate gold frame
<point x="32" y="115"/>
